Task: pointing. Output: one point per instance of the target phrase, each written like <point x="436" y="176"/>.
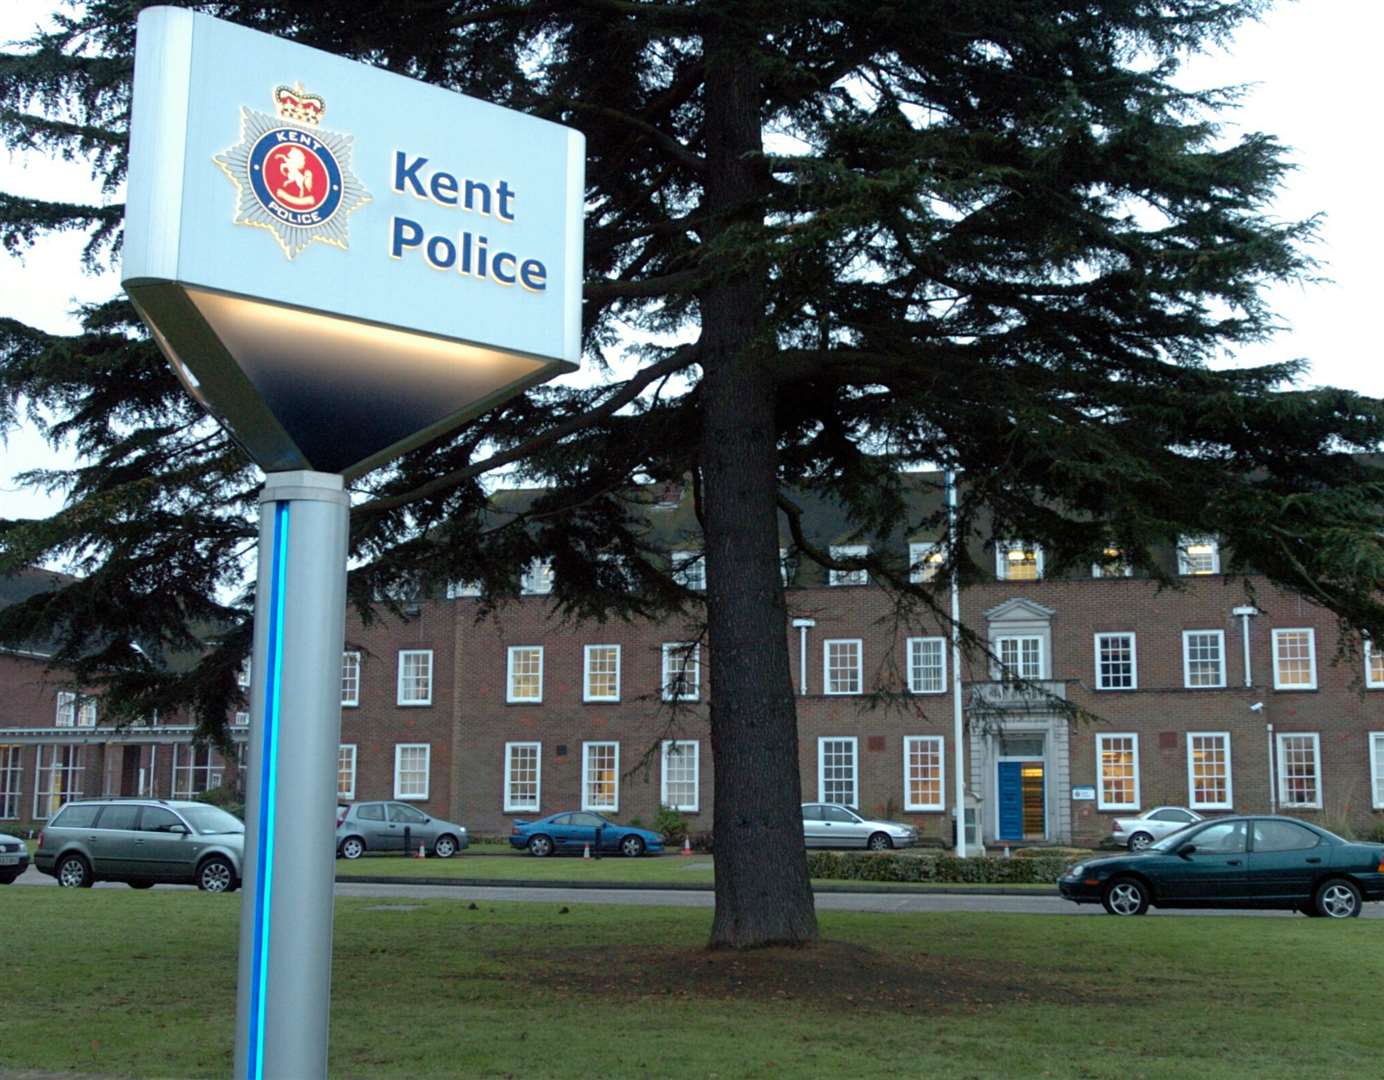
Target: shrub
<point x="1038" y="869"/>
<point x="225" y="797"/>
<point x="701" y="841"/>
<point x="1374" y="834"/>
<point x="671" y="824"/>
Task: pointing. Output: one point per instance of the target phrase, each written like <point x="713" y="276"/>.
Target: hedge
<point x="926" y="866"/>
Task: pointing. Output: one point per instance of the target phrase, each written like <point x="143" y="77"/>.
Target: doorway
<point x="1022" y="804"/>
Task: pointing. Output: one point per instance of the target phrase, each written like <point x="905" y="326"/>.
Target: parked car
<point x="395" y="826"/>
<point x="1246" y="862"/>
<point x="575" y="830"/>
<point x="1139" y="832"/>
<point x="142" y="842"/>
<point x="14" y="858"/>
<point x="834" y="825"/>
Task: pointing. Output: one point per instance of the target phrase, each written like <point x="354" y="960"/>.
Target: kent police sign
<point x="340" y="262"/>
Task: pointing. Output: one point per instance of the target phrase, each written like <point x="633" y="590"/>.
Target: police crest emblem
<point x="291" y="176"/>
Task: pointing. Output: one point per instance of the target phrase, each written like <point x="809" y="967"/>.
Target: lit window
<point x="537" y="580"/>
<point x="242" y="719"/>
<point x="1018" y="560"/>
<point x="1021" y="657"/>
<point x="600" y="776"/>
<point x="59" y="779"/>
<point x="86" y="712"/>
<point x="1198" y="555"/>
<point x="242" y="677"/>
<point x="1376" y="769"/>
<point x="415" y="677"/>
<point x="1299" y="770"/>
<point x="923" y="773"/>
<point x="924" y="562"/>
<point x="350" y="678"/>
<point x="1117" y="761"/>
<point x="458" y="589"/>
<point x="67" y="709"/>
<point x="522" y="776"/>
<point x="1203" y="658"/>
<point x="601" y="679"/>
<point x="836" y="775"/>
<point x="927" y="665"/>
<point x="524" y="674"/>
<point x="1374" y="667"/>
<point x="849" y="577"/>
<point x="1294" y="660"/>
<point x="412" y="766"/>
<point x="1208" y="770"/>
<point x="11" y="779"/>
<point x="841" y="666"/>
<point x="1112" y="564"/>
<point x="1115" y="662"/>
<point x="346" y="771"/>
<point x="682" y="671"/>
<point x="680" y="775"/>
<point x="689" y="570"/>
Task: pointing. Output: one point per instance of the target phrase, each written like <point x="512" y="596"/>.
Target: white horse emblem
<point x="296" y="174"/>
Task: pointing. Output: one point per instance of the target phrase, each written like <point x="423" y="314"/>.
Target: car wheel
<point x="1125" y="896"/>
<point x="631" y="847"/>
<point x="216" y="875"/>
<point x="540" y="845"/>
<point x="445" y="847"/>
<point x="73" y="872"/>
<point x="879" y="842"/>
<point x="1338" y="899"/>
<point x="142" y="884"/>
<point x="1139" y="841"/>
<point x="353" y="847"/>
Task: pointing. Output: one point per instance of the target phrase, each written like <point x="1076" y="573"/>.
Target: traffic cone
<point x="422" y="852"/>
<point x="586" y="851"/>
<point x="687" y="845"/>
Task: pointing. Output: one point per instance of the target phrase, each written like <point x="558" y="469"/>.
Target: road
<point x="883" y="902"/>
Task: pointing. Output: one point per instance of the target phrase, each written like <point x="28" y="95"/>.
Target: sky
<point x="1314" y="84"/>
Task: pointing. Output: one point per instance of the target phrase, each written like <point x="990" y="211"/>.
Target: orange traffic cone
<point x="687" y="845"/>
<point x="422" y="852"/>
<point x="586" y="851"/>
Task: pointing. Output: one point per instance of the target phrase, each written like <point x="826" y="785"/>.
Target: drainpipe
<point x="803" y="626"/>
<point x="1245" y="614"/>
<point x="958" y="726"/>
<point x="1273" y="789"/>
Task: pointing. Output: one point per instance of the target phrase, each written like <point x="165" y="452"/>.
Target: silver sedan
<point x="834" y="825"/>
<point x="1137" y="833"/>
<point x="395" y="826"/>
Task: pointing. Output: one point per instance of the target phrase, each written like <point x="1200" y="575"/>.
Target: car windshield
<point x="1173" y="839"/>
<point x="212" y="819"/>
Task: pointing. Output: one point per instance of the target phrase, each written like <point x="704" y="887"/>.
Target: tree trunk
<point x="763" y="896"/>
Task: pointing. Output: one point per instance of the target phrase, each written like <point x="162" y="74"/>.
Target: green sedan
<point x="1236" y="862"/>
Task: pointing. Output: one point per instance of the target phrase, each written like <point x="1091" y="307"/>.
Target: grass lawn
<point x="142" y="984"/>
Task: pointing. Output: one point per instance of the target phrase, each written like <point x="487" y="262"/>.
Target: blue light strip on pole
<point x="269" y="776"/>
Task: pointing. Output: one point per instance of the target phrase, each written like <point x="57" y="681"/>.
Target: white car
<point x="834" y="825"/>
<point x="1137" y="833"/>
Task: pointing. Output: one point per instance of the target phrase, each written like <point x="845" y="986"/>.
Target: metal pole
<point x="283" y="989"/>
<point x="958" y="725"/>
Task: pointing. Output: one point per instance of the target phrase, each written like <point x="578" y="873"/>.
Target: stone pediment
<point x="1020" y="609"/>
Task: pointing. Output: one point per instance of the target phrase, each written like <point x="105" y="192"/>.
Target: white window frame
<point x="1115" y="561"/>
<point x="73" y="772"/>
<point x="513" y="653"/>
<point x="11" y="781"/>
<point x="456" y="590"/>
<point x="1277" y="635"/>
<point x="1192" y="801"/>
<point x="1187" y="660"/>
<point x="688" y="659"/>
<point x="915" y="668"/>
<point x="1375" y="743"/>
<point x="346" y="765"/>
<point x="1280" y="740"/>
<point x="86" y="711"/>
<point x="908" y="803"/>
<point x="858" y="677"/>
<point x="688" y="752"/>
<point x="399" y="749"/>
<point x="1133" y="660"/>
<point x="404" y="654"/>
<point x="1371" y="682"/>
<point x="785" y="568"/>
<point x="586" y="694"/>
<point x="1042" y="667"/>
<point x="854" y="742"/>
<point x="1002" y="550"/>
<point x="587" y="802"/>
<point x="689" y="569"/>
<point x="1102" y="739"/>
<point x="849" y="577"/>
<point x="924" y="561"/>
<point x="519" y="806"/>
<point x="350" y="677"/>
<point x="537" y="578"/>
<point x="242" y="677"/>
<point x="65" y="713"/>
<point x="1185" y="567"/>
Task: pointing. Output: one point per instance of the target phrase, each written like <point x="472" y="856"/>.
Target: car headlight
<point x="1077" y="870"/>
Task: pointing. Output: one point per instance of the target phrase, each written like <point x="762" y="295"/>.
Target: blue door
<point x="1011" y="824"/>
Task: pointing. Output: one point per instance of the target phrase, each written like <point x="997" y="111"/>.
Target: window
<point x="1203" y="658"/>
<point x="849" y="577"/>
<point x="1115" y="662"/>
<point x="1208" y="770"/>
<point x="1283" y="836"/>
<point x="537" y="580"/>
<point x="412" y="764"/>
<point x="689" y="570"/>
<point x="524" y="673"/>
<point x="121" y="816"/>
<point x="927" y="665"/>
<point x="681" y="789"/>
<point x="1198" y="555"/>
<point x="1021" y="657"/>
<point x="1223" y="838"/>
<point x="57" y="778"/>
<point x="193" y="771"/>
<point x="682" y="671"/>
<point x="242" y="719"/>
<point x="923" y="773"/>
<point x="1294" y="659"/>
<point x="67" y="709"/>
<point x="1376" y="769"/>
<point x="86" y="712"/>
<point x="371" y="812"/>
<point x="346" y="771"/>
<point x="415" y="676"/>
<point x="1117" y="766"/>
<point x="1374" y="667"/>
<point x="786" y="567"/>
<point x="11" y="781"/>
<point x="924" y="562"/>
<point x="1299" y="770"/>
<point x="157" y="819"/>
<point x="600" y="776"/>
<point x="243" y="676"/>
<point x="836" y="780"/>
<point x="523" y="765"/>
<point x="350" y="678"/>
<point x="601" y="673"/>
<point x="1018" y="560"/>
<point x="1112" y="563"/>
<point x="841" y="666"/>
<point x="458" y="589"/>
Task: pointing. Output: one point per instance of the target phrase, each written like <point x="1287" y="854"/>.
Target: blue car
<point x="574" y="830"/>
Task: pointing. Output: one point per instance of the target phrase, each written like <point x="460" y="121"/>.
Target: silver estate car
<point x="142" y="842"/>
<point x="834" y="825"/>
<point x="395" y="826"/>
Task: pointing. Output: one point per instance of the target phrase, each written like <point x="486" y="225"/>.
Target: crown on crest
<point x="296" y="105"/>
